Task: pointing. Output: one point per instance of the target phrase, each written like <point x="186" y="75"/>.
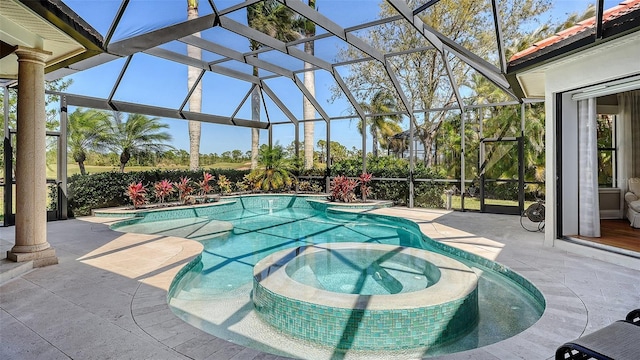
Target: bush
<point x="427" y="194"/>
<point x="108" y="189"/>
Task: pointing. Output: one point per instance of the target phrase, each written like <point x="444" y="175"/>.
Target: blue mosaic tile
<point x="367" y="329"/>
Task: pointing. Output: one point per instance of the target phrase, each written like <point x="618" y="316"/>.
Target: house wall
<point x="610" y="61"/>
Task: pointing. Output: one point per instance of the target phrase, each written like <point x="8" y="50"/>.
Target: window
<point x="607" y="151"/>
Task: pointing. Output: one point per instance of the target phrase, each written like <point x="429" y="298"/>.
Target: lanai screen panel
<point x="348" y="34"/>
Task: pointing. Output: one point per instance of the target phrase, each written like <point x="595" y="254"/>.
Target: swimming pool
<point x="214" y="291"/>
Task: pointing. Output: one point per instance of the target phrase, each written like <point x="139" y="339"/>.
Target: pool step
<point x="384" y="279"/>
<point x="203" y="293"/>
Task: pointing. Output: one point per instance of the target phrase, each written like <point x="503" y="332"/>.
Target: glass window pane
<point x="605" y="131"/>
<point x="605" y="168"/>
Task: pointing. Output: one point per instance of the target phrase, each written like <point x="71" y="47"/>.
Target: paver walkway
<point x="106" y="299"/>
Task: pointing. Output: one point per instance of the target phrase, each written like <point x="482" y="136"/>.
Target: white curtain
<point x="589" y="205"/>
<point x="629" y="136"/>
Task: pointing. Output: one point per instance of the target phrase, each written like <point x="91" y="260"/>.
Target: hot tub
<point x="366" y="296"/>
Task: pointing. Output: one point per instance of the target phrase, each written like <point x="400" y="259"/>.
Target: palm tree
<point x="138" y="134"/>
<point x="275" y="20"/>
<point x="274" y="171"/>
<point x="86" y="129"/>
<point x="308" y="111"/>
<point x="393" y="138"/>
<point x="381" y="123"/>
<point x="195" y="101"/>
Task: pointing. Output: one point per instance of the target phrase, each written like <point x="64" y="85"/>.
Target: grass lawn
<point x="473" y="203"/>
<point x="73" y="169"/>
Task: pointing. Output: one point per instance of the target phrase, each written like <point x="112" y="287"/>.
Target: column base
<point x="39" y="258"/>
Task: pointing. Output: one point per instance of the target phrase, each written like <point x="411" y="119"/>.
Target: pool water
<point x="362" y="272"/>
<point x="228" y="258"/>
<point x="215" y="294"/>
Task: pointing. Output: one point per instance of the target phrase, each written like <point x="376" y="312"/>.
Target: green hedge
<point x="107" y="189"/>
<point x="100" y="190"/>
<point x="427" y="194"/>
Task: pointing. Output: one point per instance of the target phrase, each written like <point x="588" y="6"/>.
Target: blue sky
<point x="221" y="95"/>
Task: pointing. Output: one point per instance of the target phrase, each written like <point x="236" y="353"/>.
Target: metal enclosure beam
<point x="335" y="29"/>
<point x="158" y="37"/>
<point x="119" y="79"/>
<point x="116" y="21"/>
<point x="236" y="55"/>
<point x="414" y="20"/>
<point x="454" y="84"/>
<point x="498" y="26"/>
<point x="275" y="44"/>
<point x="279" y="104"/>
<point x="599" y="14"/>
<point x="479" y="64"/>
<point x="102" y="104"/>
<point x="62" y="162"/>
<point x="311" y="98"/>
<point x="8" y="164"/>
<point x="425" y="6"/>
<point x="349" y="95"/>
<point x="193" y="88"/>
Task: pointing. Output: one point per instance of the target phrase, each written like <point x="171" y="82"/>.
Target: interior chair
<point x="632" y="198"/>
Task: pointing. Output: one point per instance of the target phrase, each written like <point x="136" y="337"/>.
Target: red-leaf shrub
<point x="184" y="188"/>
<point x="365" y="190"/>
<point x="137" y="194"/>
<point x="204" y="185"/>
<point x="342" y="189"/>
<point x="162" y="189"/>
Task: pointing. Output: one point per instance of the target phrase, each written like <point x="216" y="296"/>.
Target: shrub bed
<point x="107" y="189"/>
<point x="427" y="194"/>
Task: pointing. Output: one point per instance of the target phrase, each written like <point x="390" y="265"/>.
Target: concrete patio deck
<point x="106" y="299"/>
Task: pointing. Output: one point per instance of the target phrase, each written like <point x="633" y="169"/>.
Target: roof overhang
<point x="47" y="25"/>
<point x="526" y="73"/>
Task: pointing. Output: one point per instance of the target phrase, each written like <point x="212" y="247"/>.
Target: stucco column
<point x="31" y="188"/>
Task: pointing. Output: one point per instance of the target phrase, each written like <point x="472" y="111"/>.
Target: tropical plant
<point x="86" y="129"/>
<point x="365" y="190"/>
<point x="423" y="76"/>
<point x="204" y="185"/>
<point x="162" y="189"/>
<point x="137" y="194"/>
<point x="343" y="189"/>
<point x="225" y="184"/>
<point x="138" y="134"/>
<point x="195" y="100"/>
<point x="184" y="188"/>
<point x="275" y="172"/>
<point x="384" y="122"/>
<point x="276" y="20"/>
<point x="307" y="186"/>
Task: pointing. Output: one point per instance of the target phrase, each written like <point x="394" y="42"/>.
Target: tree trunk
<point x="308" y="110"/>
<point x="124" y="159"/>
<point x="79" y="156"/>
<point x="195" y="101"/>
<point x="374" y="140"/>
<point x="255" y="116"/>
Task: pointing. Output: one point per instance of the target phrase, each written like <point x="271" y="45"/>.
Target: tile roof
<point x="584" y="28"/>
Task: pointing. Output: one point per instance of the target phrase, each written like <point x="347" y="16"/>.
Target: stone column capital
<point x="31" y="54"/>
